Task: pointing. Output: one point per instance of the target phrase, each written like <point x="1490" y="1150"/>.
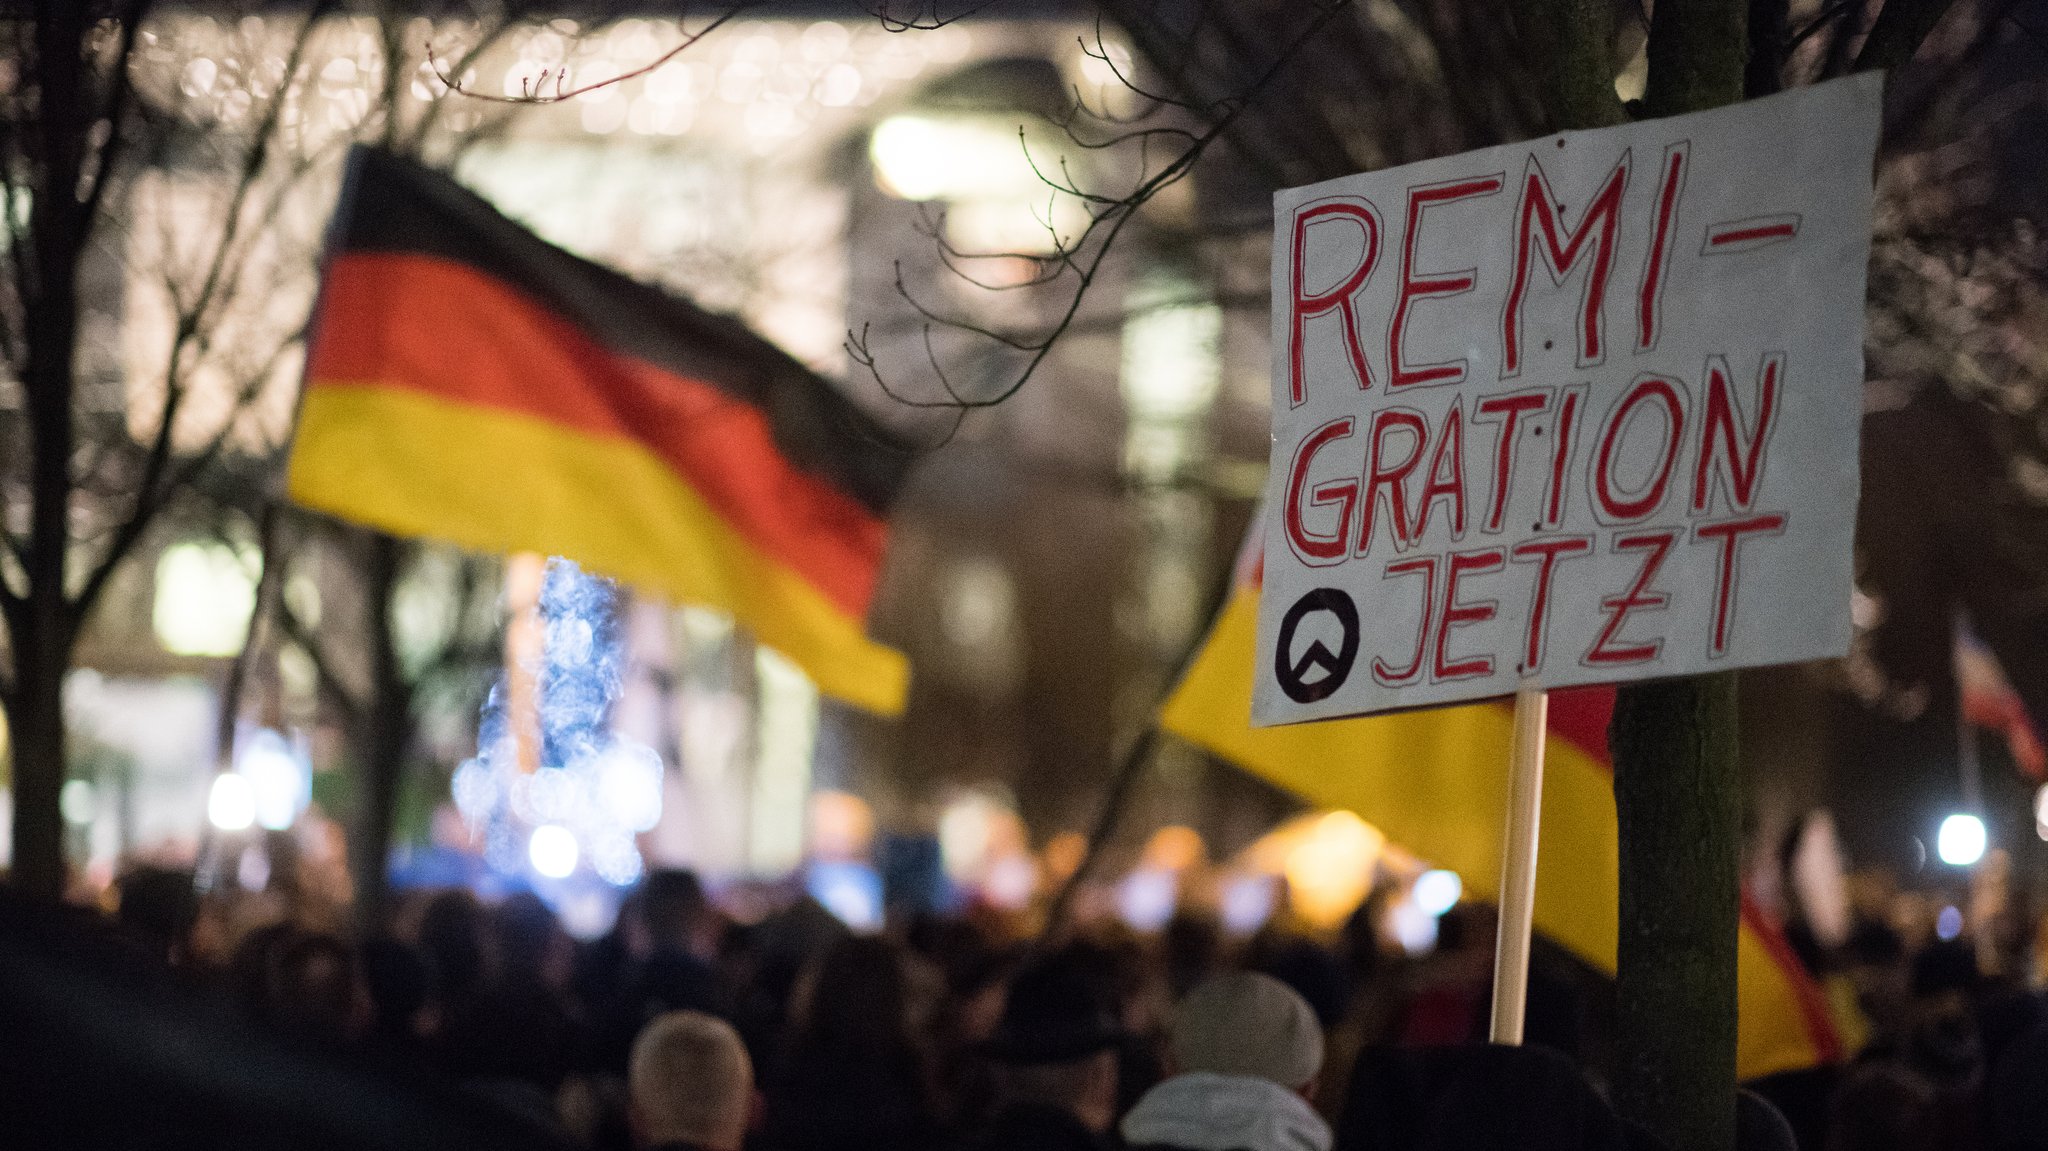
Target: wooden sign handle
<point x="1518" y="866"/>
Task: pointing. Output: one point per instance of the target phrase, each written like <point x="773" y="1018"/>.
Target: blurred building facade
<point x="1055" y="557"/>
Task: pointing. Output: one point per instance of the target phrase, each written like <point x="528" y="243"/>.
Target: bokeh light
<point x="1330" y="871"/>
<point x="1949" y="923"/>
<point x="1247" y="902"/>
<point x="1961" y="840"/>
<point x="204" y="595"/>
<point x="552" y="850"/>
<point x="842" y="826"/>
<point x="77" y="801"/>
<point x="1437" y="891"/>
<point x="280" y="782"/>
<point x="1174" y="848"/>
<point x="231" y="805"/>
<point x="1412" y="927"/>
<point x="1146" y="898"/>
<point x="851" y="891"/>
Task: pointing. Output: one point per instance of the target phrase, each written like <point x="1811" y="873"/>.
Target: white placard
<point x="1582" y="409"/>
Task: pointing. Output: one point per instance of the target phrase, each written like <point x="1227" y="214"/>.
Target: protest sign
<point x="1578" y="410"/>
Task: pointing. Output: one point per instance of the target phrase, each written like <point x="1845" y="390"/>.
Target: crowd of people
<point x="684" y="1029"/>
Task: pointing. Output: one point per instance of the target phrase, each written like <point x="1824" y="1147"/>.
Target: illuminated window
<point x="1172" y="358"/>
<point x="204" y="594"/>
<point x="785" y="737"/>
<point x="978" y="616"/>
<point x="1171" y="370"/>
<point x="988" y="170"/>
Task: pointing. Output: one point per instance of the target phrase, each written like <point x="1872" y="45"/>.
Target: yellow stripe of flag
<point x="504" y="482"/>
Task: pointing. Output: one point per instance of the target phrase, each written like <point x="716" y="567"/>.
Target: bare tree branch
<point x="306" y="639"/>
<point x="191" y="334"/>
<point x="531" y="90"/>
<point x="1821" y="20"/>
<point x="129" y="20"/>
<point x="1080" y="258"/>
<point x="1900" y="27"/>
<point x="19" y="552"/>
<point x="922" y="22"/>
<point x="431" y="116"/>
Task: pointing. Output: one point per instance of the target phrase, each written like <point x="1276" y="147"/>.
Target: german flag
<point x="469" y="382"/>
<point x="1436" y="781"/>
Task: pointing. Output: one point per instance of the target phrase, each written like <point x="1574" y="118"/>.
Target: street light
<point x="231" y="805"/>
<point x="1961" y="840"/>
<point x="278" y="781"/>
<point x="553" y="851"/>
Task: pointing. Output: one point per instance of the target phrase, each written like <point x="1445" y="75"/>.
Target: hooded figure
<point x="1246" y="1051"/>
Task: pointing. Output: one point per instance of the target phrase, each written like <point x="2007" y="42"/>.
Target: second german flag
<point x="1436" y="781"/>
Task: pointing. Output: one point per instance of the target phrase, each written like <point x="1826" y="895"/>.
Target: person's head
<point x="1946" y="968"/>
<point x="1365" y="941"/>
<point x="1123" y="972"/>
<point x="1881" y="1107"/>
<point x="1085" y="1088"/>
<point x="1874" y="958"/>
<point x="1192" y="945"/>
<point x="1314" y="973"/>
<point x="690" y="1081"/>
<point x="855" y="1001"/>
<point x="1245" y="1023"/>
<point x="1057" y="1042"/>
<point x="2015" y="1107"/>
<point x="158" y="906"/>
<point x="1466" y="928"/>
<point x="396" y="980"/>
<point x="530" y="942"/>
<point x="672" y="908"/>
<point x="451" y="937"/>
<point x="977" y="978"/>
<point x="312" y="986"/>
<point x="1760" y="1126"/>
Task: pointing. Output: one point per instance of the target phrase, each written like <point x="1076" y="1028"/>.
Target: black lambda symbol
<point x="1293" y="673"/>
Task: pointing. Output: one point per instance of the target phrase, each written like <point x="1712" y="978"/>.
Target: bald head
<point x="692" y="1082"/>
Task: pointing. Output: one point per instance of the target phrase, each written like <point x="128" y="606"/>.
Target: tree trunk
<point x="382" y="736"/>
<point x="42" y="624"/>
<point x="1677" y="793"/>
<point x="1699" y="55"/>
<point x="1678" y="804"/>
<point x="1570" y="41"/>
<point x="1769" y="30"/>
<point x="35" y="717"/>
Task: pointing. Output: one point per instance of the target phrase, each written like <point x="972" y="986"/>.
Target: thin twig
<point x="921" y="23"/>
<point x="1820" y="20"/>
<point x="530" y="90"/>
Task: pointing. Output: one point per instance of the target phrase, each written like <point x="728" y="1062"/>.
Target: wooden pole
<point x="1518" y="866"/>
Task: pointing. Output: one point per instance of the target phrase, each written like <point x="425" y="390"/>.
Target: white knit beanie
<point x="1244" y="1023"/>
